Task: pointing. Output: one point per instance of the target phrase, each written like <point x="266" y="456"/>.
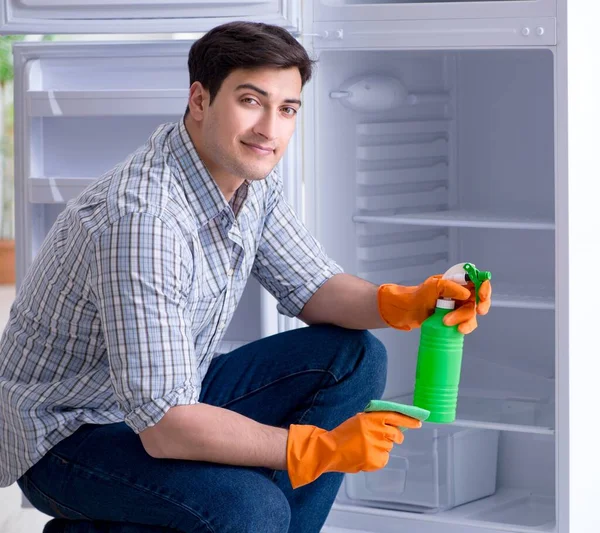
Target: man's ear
<point x="198" y="100"/>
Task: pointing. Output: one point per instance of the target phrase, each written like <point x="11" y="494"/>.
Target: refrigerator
<point x="432" y="133"/>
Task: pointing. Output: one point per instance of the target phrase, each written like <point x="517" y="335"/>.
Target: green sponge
<point x="409" y="410"/>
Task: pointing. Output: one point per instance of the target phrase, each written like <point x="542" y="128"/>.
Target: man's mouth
<point x="258" y="149"/>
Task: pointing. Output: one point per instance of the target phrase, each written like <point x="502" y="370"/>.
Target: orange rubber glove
<point x="361" y="443"/>
<point x="407" y="308"/>
<point x="466" y="314"/>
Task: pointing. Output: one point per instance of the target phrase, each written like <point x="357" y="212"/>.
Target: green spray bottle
<point x="440" y="352"/>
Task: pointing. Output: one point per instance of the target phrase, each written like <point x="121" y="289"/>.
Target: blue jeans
<point x="101" y="479"/>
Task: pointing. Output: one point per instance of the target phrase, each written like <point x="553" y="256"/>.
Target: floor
<point x="13" y="517"/>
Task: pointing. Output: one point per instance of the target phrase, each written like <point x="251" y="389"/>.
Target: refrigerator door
<point x="138" y="16"/>
<point x="363" y="10"/>
<point x="81" y="108"/>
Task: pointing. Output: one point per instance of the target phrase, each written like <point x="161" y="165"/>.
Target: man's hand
<point x="465" y="315"/>
<point x="407" y="308"/>
<point x="361" y="443"/>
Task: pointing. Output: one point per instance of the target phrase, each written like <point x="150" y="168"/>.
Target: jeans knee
<point x="272" y="516"/>
<point x="265" y="510"/>
<point x="365" y="362"/>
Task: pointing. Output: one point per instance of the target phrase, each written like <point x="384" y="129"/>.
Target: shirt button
<point x="230" y="272"/>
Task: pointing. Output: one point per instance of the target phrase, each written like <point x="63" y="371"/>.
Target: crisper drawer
<point x="434" y="469"/>
<point x="364" y="10"/>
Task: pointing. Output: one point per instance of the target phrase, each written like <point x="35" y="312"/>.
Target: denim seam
<point x="262" y="387"/>
<point x="51" y="500"/>
<point x="109" y="477"/>
<point x="312" y="404"/>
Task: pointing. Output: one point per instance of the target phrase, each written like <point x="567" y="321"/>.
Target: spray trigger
<point x="477" y="277"/>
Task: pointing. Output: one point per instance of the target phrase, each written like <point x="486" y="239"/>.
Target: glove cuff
<point x="393" y="305"/>
<point x="304" y="462"/>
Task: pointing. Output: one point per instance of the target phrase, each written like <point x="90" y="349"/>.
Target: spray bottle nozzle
<point x="477" y="277"/>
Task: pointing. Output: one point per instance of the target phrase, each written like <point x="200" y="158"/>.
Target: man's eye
<point x="290" y="111"/>
<point x="250" y="100"/>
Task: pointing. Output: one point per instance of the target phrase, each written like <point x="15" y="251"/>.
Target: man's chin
<point x="258" y="174"/>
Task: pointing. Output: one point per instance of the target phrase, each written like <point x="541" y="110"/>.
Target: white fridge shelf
<point x="522" y="296"/>
<point x="56" y="190"/>
<point x="106" y="102"/>
<point x="514" y="510"/>
<point x="523" y="415"/>
<point x="459" y="219"/>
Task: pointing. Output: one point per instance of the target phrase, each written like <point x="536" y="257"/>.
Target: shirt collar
<point x="202" y="191"/>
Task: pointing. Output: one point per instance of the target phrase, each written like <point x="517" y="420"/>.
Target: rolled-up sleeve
<point x="140" y="275"/>
<point x="290" y="263"/>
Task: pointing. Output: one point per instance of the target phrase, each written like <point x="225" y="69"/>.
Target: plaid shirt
<point x="128" y="298"/>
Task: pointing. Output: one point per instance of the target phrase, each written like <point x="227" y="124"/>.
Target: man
<point x="116" y="416"/>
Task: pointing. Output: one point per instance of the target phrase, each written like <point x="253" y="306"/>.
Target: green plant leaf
<point x="6" y="57"/>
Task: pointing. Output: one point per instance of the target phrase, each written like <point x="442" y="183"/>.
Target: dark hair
<point x="247" y="45"/>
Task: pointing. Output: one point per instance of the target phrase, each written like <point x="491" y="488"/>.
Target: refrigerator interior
<point x="446" y="156"/>
<point x="439" y="157"/>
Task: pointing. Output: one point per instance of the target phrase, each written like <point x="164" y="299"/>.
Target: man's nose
<point x="267" y="125"/>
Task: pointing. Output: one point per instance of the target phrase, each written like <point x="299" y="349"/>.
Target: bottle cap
<point x="445" y="304"/>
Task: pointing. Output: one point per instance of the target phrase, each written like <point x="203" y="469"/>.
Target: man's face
<point x="246" y="130"/>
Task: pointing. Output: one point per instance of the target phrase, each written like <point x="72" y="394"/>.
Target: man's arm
<point x="202" y="432"/>
<point x="354" y="303"/>
<point x="346" y="301"/>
